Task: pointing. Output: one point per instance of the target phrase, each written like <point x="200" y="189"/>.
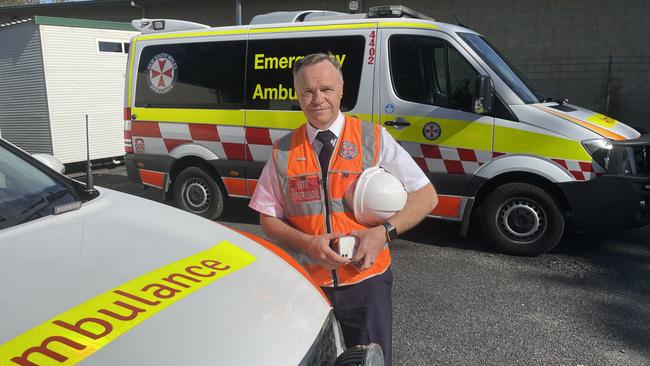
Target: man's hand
<point x="318" y="248"/>
<point x="371" y="242"/>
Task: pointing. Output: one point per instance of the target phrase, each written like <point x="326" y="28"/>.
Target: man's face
<point x="319" y="88"/>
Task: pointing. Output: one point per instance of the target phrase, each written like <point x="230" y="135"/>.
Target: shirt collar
<point x="335" y="128"/>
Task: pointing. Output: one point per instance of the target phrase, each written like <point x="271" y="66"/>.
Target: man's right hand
<point x="318" y="249"/>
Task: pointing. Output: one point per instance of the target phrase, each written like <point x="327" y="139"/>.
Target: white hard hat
<point x="377" y="196"/>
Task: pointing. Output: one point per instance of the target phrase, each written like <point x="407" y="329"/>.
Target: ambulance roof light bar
<point x="395" y="11"/>
<point x="325" y="16"/>
<point x="165" y="25"/>
<point x="292" y="16"/>
<point x="384" y="11"/>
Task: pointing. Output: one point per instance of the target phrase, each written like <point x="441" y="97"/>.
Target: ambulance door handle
<point x="397" y="123"/>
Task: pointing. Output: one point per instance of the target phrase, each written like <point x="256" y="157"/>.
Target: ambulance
<point x="203" y="107"/>
<point x="80" y="284"/>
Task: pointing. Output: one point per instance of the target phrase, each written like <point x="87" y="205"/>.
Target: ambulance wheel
<point x="196" y="192"/>
<point x="522" y="219"/>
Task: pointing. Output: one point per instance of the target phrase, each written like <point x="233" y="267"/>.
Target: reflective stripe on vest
<point x="299" y="177"/>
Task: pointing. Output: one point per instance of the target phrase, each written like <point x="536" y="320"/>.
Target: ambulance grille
<point x="640" y="160"/>
<point x="323" y="350"/>
<point x="630" y="157"/>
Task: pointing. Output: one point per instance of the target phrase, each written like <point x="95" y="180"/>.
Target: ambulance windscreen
<point x="500" y="65"/>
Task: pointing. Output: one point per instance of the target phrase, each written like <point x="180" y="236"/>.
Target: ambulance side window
<point x="192" y="75"/>
<point x="429" y="70"/>
<point x="461" y="79"/>
<point x="269" y="84"/>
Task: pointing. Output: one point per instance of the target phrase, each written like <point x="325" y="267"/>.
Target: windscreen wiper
<point x="559" y="101"/>
<point x="41" y="203"/>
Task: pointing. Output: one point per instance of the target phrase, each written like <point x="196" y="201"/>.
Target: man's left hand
<point x="371" y="242"/>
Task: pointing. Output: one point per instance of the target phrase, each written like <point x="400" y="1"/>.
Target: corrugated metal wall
<point x="23" y="104"/>
<point x="80" y="81"/>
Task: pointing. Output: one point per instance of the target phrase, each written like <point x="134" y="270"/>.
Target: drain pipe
<point x="238" y="11"/>
<point x="133" y="4"/>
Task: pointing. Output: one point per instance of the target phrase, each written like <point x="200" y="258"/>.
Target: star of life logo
<point x="431" y="130"/>
<point x="163" y="73"/>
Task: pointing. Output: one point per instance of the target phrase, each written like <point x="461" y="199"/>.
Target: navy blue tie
<point x="325" y="137"/>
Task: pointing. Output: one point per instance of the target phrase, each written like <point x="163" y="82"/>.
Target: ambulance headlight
<point x="599" y="150"/>
<point x="158" y="24"/>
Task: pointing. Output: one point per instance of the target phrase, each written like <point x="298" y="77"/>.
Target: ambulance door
<point x="426" y="88"/>
<point x="272" y="108"/>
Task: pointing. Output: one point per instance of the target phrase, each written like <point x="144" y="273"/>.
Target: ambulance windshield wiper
<point x="559" y="101"/>
<point x="41" y="204"/>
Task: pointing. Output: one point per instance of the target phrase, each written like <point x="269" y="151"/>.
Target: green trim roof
<point x="82" y="23"/>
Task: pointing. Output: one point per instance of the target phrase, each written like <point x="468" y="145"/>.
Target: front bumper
<point x="610" y="201"/>
<point x="621" y="196"/>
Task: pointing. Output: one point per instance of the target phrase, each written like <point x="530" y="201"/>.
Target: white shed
<point x="54" y="71"/>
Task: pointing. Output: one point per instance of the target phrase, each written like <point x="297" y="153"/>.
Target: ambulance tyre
<point x="522" y="219"/>
<point x="196" y="192"/>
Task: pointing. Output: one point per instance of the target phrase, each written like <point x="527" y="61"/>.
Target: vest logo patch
<point x="303" y="189"/>
<point x="348" y="150"/>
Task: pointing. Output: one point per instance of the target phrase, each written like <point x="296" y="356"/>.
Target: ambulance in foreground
<point x="81" y="283"/>
<point x="203" y="107"/>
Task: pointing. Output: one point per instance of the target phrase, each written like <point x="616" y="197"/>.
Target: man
<point x="300" y="200"/>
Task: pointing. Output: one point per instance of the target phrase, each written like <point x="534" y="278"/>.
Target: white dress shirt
<point x="392" y="157"/>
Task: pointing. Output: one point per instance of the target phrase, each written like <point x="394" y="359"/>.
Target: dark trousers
<point x="365" y="311"/>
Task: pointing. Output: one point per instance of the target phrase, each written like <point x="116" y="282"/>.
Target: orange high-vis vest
<point x="304" y="196"/>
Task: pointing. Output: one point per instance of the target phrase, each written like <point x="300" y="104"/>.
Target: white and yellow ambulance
<point x="203" y="107"/>
<point x="80" y="284"/>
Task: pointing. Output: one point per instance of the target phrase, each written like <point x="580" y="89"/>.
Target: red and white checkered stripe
<point x="433" y="158"/>
<point x="255" y="144"/>
<point x="226" y="142"/>
<point x="581" y="170"/>
<point x="451" y="160"/>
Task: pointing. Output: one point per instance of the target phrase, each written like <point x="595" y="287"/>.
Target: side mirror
<point x="52" y="162"/>
<point x="483" y="102"/>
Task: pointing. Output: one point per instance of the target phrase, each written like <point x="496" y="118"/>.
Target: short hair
<point x="315" y="58"/>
